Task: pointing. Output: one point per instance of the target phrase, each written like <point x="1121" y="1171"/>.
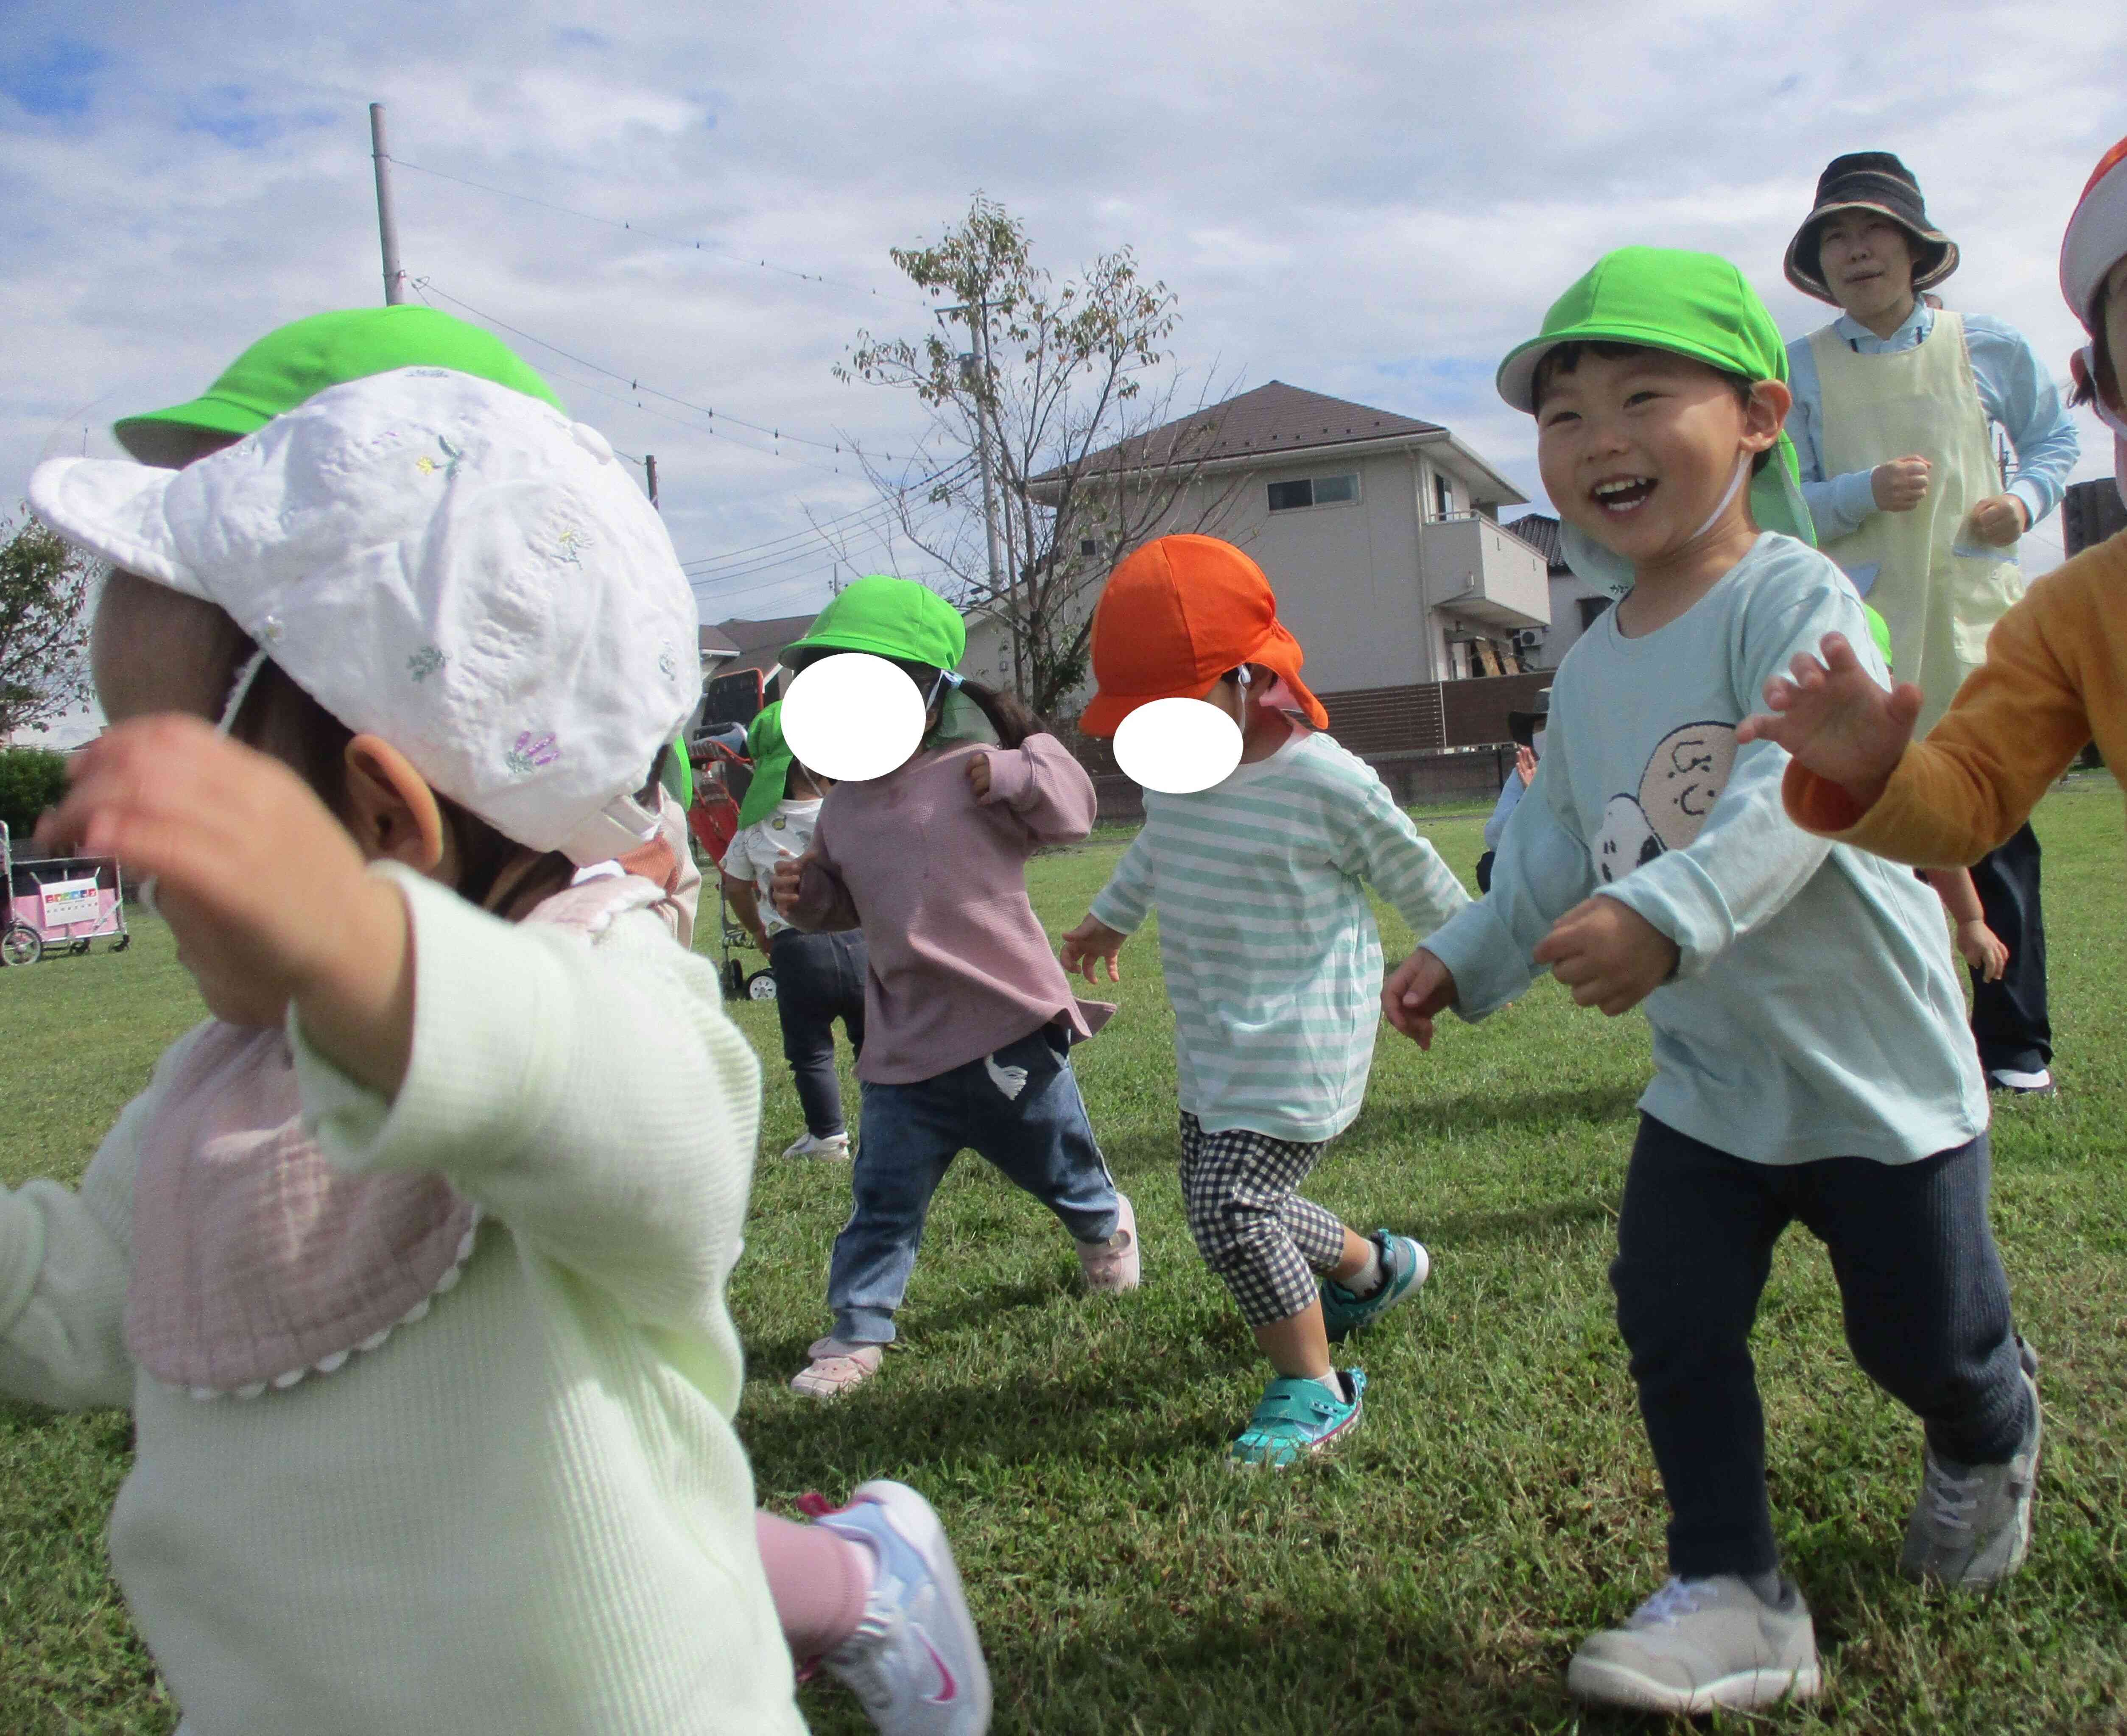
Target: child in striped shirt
<point x="1272" y="962"/>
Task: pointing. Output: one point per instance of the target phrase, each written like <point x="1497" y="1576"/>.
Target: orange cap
<point x="1176" y="617"/>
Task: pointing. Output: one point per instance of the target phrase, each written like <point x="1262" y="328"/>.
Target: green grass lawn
<point x="1434" y="1574"/>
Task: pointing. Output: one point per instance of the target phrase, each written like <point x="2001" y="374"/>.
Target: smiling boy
<point x="1810" y="1058"/>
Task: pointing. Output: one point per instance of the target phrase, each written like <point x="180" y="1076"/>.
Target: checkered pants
<point x="1259" y="1236"/>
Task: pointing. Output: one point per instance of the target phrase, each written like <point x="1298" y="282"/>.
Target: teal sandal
<point x="1296" y="1419"/>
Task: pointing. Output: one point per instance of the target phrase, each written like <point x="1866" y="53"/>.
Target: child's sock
<point x="819" y="1580"/>
<point x="1371" y="1276"/>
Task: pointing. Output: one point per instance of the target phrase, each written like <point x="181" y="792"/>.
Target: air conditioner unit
<point x="1528" y="638"/>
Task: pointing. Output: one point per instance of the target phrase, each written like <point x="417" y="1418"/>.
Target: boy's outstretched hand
<point x="783" y="885"/>
<point x="1092" y="943"/>
<point x="269" y="897"/>
<point x="1837" y="721"/>
<point x="1608" y="954"/>
<point x="1417" y="991"/>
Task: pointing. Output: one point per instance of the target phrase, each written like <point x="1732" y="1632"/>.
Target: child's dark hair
<point x="2104" y="372"/>
<point x="1566" y="357"/>
<point x="278" y="708"/>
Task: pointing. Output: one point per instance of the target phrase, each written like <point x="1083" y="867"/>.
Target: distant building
<point x="1574" y="604"/>
<point x="2091" y="512"/>
<point x="1379" y="532"/>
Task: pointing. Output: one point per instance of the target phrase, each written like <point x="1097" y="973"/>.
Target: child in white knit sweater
<point x="410" y="1262"/>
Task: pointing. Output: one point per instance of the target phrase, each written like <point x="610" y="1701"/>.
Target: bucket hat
<point x="1869" y="180"/>
<point x="295" y="362"/>
<point x="439" y="560"/>
<point x="2096" y="237"/>
<point x="772" y="760"/>
<point x="1695" y="304"/>
<point x="888" y="617"/>
<point x="1175" y="617"/>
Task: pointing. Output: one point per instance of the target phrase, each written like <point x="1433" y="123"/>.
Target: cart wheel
<point x="760" y="986"/>
<point x="79" y="948"/>
<point x="21" y="944"/>
<point x="123" y="941"/>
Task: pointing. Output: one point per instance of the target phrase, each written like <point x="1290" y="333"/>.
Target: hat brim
<point x="170" y="437"/>
<point x="118" y="512"/>
<point x="2096" y="240"/>
<point x="1516" y="378"/>
<point x="1806" y="275"/>
<point x="1279" y="652"/>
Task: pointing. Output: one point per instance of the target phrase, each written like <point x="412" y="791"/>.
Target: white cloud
<point x="1368" y="201"/>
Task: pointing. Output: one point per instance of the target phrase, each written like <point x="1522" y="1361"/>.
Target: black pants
<point x="1920" y="1285"/>
<point x="2009" y="1018"/>
<point x="819" y="978"/>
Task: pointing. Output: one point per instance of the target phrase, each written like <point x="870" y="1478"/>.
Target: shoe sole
<point x="1610" y="1684"/>
<point x="919" y="1525"/>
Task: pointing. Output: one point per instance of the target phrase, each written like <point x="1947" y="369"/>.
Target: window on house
<point x="1443" y="496"/>
<point x="1285" y="497"/>
<point x="1591" y="610"/>
<point x="1089" y="547"/>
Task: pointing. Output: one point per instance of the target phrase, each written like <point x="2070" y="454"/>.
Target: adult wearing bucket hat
<point x="1895" y="405"/>
<point x="819" y="978"/>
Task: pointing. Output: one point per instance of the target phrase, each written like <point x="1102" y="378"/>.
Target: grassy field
<point x="1435" y="1575"/>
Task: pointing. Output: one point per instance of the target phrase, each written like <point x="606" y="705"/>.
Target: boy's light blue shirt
<point x="1273" y="962"/>
<point x="2015" y="390"/>
<point x="1815" y="1011"/>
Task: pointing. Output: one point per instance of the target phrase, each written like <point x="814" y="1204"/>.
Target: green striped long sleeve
<point x="1266" y="936"/>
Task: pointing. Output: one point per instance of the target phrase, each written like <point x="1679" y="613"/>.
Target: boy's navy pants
<point x="1924" y="1299"/>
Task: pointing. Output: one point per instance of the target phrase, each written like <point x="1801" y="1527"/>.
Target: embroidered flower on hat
<point x="667" y="665"/>
<point x="425" y="662"/>
<point x="531" y="752"/>
<point x="563" y="537"/>
<point x="429" y="466"/>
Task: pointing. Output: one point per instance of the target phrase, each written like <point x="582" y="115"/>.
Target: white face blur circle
<point x="1178" y="746"/>
<point x="853" y="717"/>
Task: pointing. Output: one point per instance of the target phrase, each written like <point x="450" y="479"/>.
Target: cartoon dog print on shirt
<point x="1684" y="778"/>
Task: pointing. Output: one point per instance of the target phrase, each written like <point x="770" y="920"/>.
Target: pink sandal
<point x="836" y="1367"/>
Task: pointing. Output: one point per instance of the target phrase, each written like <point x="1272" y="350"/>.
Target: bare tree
<point x="44" y="626"/>
<point x="1068" y="393"/>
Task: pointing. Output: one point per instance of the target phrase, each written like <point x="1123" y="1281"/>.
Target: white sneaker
<point x="834" y="1146"/>
<point x="2039" y="1084"/>
<point x="1112" y="1266"/>
<point x="1972" y="1527"/>
<point x="836" y="1367"/>
<point x="1699" y="1644"/>
<point x="914" y="1660"/>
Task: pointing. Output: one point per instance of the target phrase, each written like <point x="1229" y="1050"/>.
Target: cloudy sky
<point x="1370" y="201"/>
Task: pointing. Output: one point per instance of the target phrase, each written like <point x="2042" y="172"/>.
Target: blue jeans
<point x="1040" y="1138"/>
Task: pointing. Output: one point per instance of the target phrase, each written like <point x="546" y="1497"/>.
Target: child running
<point x="1812" y="1061"/>
<point x="1272" y="962"/>
<point x="2056" y="668"/>
<point x="969" y="1019"/>
<point x="410" y="1261"/>
<point x="819" y="978"/>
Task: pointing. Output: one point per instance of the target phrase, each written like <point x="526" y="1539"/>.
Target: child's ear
<point x="1765" y="414"/>
<point x="392" y="812"/>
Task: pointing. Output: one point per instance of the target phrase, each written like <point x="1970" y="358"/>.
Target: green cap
<point x="771" y="754"/>
<point x="1695" y="304"/>
<point x="889" y="618"/>
<point x="1879" y="630"/>
<point x="294" y="364"/>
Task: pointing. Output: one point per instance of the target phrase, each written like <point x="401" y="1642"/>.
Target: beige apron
<point x="1940" y="606"/>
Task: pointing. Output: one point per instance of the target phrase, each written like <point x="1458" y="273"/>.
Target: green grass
<point x="1436" y="1573"/>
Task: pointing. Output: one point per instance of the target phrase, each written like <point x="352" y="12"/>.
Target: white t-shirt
<point x="753" y="853"/>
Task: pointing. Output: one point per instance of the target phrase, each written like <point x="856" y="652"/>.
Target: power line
<point x="866" y="517"/>
<point x="637" y="228"/>
<point x="635" y="383"/>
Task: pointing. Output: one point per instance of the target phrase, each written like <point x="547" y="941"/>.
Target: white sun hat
<point x="445" y="563"/>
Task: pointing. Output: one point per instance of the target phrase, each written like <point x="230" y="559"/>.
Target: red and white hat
<point x="2096" y="237"/>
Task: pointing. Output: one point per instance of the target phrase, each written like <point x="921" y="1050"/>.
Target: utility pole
<point x="387" y="219"/>
<point x="975" y="376"/>
<point x="650" y="474"/>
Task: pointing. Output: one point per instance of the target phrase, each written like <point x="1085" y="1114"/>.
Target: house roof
<point x="759" y="644"/>
<point x="714" y="644"/>
<point x="1272" y="419"/>
<point x="1539" y="531"/>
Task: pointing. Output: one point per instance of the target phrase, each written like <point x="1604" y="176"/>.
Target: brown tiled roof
<point x="712" y="640"/>
<point x="1539" y="531"/>
<point x="760" y="643"/>
<point x="1272" y="419"/>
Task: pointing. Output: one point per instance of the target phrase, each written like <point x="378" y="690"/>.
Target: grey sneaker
<point x="1972" y="1525"/>
<point x="1700" y="1644"/>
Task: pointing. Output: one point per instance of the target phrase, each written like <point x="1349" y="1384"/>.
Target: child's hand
<point x="1416" y="990"/>
<point x="264" y="890"/>
<point x="1608" y="954"/>
<point x="783" y="885"/>
<point x="1836" y="721"/>
<point x="1983" y="949"/>
<point x="1525" y="764"/>
<point x="978" y="775"/>
<point x="1090" y="943"/>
